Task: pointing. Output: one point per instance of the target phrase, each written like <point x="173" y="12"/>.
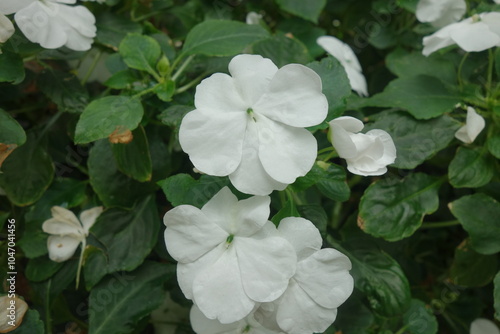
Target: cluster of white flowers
<point x="50" y="23"/>
<point x="243" y="272"/>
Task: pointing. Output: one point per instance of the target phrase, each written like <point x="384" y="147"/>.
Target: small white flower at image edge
<point x="440" y="13"/>
<point x="483" y="326"/>
<point x="6" y="28"/>
<point x="474" y="124"/>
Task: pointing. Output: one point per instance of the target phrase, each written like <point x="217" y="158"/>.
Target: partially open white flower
<point x="67" y="231"/>
<point x="344" y="54"/>
<point x="474" y="34"/>
<point x="52" y="23"/>
<point x="320" y="285"/>
<point x="250" y="125"/>
<point x="6" y="28"/>
<point x="229" y="255"/>
<point x="253" y="18"/>
<point x="440" y="12"/>
<point x="473" y="126"/>
<point x="483" y="326"/>
<point x="366" y="153"/>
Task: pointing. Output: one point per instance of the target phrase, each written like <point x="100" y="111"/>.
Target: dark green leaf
<point x="472" y="269"/>
<point x="394" y="209"/>
<point x="308" y="10"/>
<point x="133" y="159"/>
<point x="282" y="50"/>
<point x="471" y="168"/>
<point x="288" y="210"/>
<point x="108" y="114"/>
<point x="31" y="324"/>
<point x="122" y="79"/>
<point x="330" y="180"/>
<point x="415" y="140"/>
<point x="353" y="317"/>
<point x="493" y="144"/>
<point x="165" y="90"/>
<point x="41" y="268"/>
<point x="111" y="29"/>
<point x="419" y="318"/>
<point x="316" y="214"/>
<point x="479" y="214"/>
<point x="10" y="130"/>
<point x="222" y="38"/>
<point x="64" y="89"/>
<point x="422" y="96"/>
<point x="140" y="52"/>
<point x="183" y="189"/>
<point x="496" y="295"/>
<point x="119" y="310"/>
<point x="172" y="116"/>
<point x="11" y="67"/>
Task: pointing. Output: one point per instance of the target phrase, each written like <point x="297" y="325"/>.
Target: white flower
<point x="6" y="28"/>
<point x="250" y="125"/>
<point x="248" y="325"/>
<point x="6" y="317"/>
<point x="67" y="231"/>
<point x="320" y="285"/>
<point x="496" y="1"/>
<point x="253" y="18"/>
<point x="52" y="23"/>
<point x="473" y="126"/>
<point x="440" y="12"/>
<point x="229" y="255"/>
<point x="99" y="1"/>
<point x="366" y="153"/>
<point x="344" y="54"/>
<point x="474" y="34"/>
<point x="483" y="326"/>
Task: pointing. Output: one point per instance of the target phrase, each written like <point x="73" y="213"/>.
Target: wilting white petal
<point x="473" y="126"/>
<point x="89" y="217"/>
<point x="61" y="248"/>
<point x="6" y="28"/>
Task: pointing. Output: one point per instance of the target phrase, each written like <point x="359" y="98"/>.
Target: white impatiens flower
<point x="473" y="126"/>
<point x="229" y="255"/>
<point x="483" y="326"/>
<point x="344" y="54"/>
<point x="53" y="23"/>
<point x="250" y="125"/>
<point x="366" y="153"/>
<point x="320" y="285"/>
<point x="440" y="12"/>
<point x="253" y="18"/>
<point x="248" y="325"/>
<point x="474" y="34"/>
<point x="6" y="28"/>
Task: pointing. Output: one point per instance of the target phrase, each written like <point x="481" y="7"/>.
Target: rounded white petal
<point x="8" y="7"/>
<point x="340" y="50"/>
<point x="62" y="227"/>
<point x="302" y="235"/>
<point x="389" y="149"/>
<point x="252" y="75"/>
<point x="219" y="94"/>
<point x="299" y="314"/>
<point x="6" y="28"/>
<point x="221" y="210"/>
<point x="252" y="215"/>
<point x="285" y="152"/>
<point x="89" y="217"/>
<point x="61" y="248"/>
<point x="342" y="141"/>
<point x="325" y="277"/>
<point x="357" y="81"/>
<point x="473" y="126"/>
<point x="348" y="123"/>
<point x="442" y="38"/>
<point x="492" y="19"/>
<point x="80" y="27"/>
<point x="218" y="289"/>
<point x="440" y="12"/>
<point x="294" y="97"/>
<point x="213" y="140"/>
<point x="266" y="265"/>
<point x="65" y="215"/>
<point x="483" y="326"/>
<point x="374" y="171"/>
<point x="475" y="37"/>
<point x="202" y="325"/>
<point x="190" y="234"/>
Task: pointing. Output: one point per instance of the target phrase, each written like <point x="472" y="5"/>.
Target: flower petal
<point x="252" y="214"/>
<point x="492" y="19"/>
<point x="389" y="155"/>
<point x="357" y="81"/>
<point x="341" y="51"/>
<point x="213" y="140"/>
<point x="219" y="94"/>
<point x="483" y="326"/>
<point x="201" y="324"/>
<point x="302" y="235"/>
<point x="284" y="151"/>
<point x="190" y="234"/>
<point x="80" y="27"/>
<point x="6" y="28"/>
<point x="61" y="248"/>
<point x="325" y="277"/>
<point x="218" y="290"/>
<point x="266" y="265"/>
<point x="88" y="217"/>
<point x="294" y="97"/>
<point x="221" y="210"/>
<point x="252" y="75"/>
<point x="8" y="7"/>
<point x="348" y="123"/>
<point x="299" y="314"/>
<point x="64" y="215"/>
<point x="441" y="38"/>
<point x="475" y="37"/>
<point x="61" y="227"/>
<point x="342" y="141"/>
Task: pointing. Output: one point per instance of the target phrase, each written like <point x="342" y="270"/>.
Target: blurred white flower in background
<point x="6" y="28"/>
<point x="483" y="326"/>
<point x="474" y="124"/>
<point x="477" y="33"/>
<point x="253" y="18"/>
<point x="366" y="153"/>
<point x="250" y="125"/>
<point x="440" y="12"/>
<point x="344" y="54"/>
<point x="53" y="23"/>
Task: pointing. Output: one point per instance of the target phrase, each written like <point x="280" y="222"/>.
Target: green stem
<point x="146" y="91"/>
<point x="80" y="262"/>
<point x="491" y="61"/>
<point x="48" y="319"/>
<point x="190" y="84"/>
<point x="440" y="224"/>
<point x="330" y="156"/>
<point x="182" y="68"/>
<point x="91" y="68"/>
<point x="459" y="73"/>
<point x="325" y="150"/>
<point x="402" y="330"/>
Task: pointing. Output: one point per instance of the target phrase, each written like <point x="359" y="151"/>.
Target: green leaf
<point x="27" y="173"/>
<point x="222" y="38"/>
<point x="64" y="89"/>
<point x="471" y="168"/>
<point x="496" y="295"/>
<point x="11" y="67"/>
<point x="282" y="50"/>
<point x="316" y="214"/>
<point x="288" y="210"/>
<point x="41" y="268"/>
<point x="133" y="159"/>
<point x="173" y="115"/>
<point x="472" y="269"/>
<point x="336" y="86"/>
<point x="394" y="209"/>
<point x="111" y="29"/>
<point x="31" y="324"/>
<point x="415" y="140"/>
<point x="108" y="114"/>
<point x="121" y="79"/>
<point x="419" y="318"/>
<point x="308" y="10"/>
<point x="12" y="135"/>
<point x="493" y="144"/>
<point x="353" y="317"/>
<point x="422" y="96"/>
<point x="140" y="52"/>
<point x="165" y="90"/>
<point x="113" y="187"/>
<point x="129" y="298"/>
<point x="479" y="214"/>
<point x="183" y="189"/>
